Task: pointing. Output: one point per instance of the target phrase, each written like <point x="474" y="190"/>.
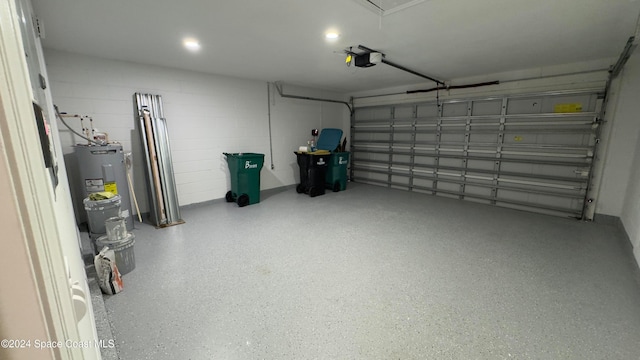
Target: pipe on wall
<point x="282" y="94"/>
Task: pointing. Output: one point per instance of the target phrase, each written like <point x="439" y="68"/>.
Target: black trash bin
<point x="313" y="165"/>
<point x="313" y="169"/>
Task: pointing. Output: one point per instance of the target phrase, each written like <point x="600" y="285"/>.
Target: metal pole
<point x="385" y="61"/>
<point x="269" y="116"/>
<point x="279" y="88"/>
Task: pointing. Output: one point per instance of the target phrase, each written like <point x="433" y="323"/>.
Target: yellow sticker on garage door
<point x="517" y="138"/>
<point x="111" y="187"/>
<point x="568" y="108"/>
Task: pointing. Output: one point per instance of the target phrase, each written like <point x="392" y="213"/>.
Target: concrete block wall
<point x="622" y="189"/>
<point x="623" y="126"/>
<point x="631" y="209"/>
<point x="206" y="116"/>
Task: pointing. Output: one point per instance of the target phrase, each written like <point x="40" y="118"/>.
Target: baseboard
<point x="608" y="220"/>
<point x="264" y="194"/>
<point x="634" y="254"/>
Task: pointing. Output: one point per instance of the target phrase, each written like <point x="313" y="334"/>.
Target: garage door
<point x="531" y="152"/>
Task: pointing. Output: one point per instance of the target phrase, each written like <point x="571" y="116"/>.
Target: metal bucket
<point x="98" y="211"/>
<point x="123" y="249"/>
<point x="116" y="228"/>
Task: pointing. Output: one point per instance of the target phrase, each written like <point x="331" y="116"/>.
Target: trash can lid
<point x="243" y="155"/>
<point x="329" y="139"/>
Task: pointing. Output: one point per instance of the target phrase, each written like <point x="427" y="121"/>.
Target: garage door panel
<point x="481" y="164"/>
<point x="561" y="171"/>
<point x="531" y="105"/>
<point x="422" y="183"/>
<point x="454" y="109"/>
<point x="520" y="168"/>
<point x="555" y="201"/>
<point x="402" y="112"/>
<point x="451" y="163"/>
<point x="422" y="161"/>
<point x="477" y="191"/>
<point x="448" y="187"/>
<point x="530" y="140"/>
<point x="447" y="138"/>
<point x="371" y="114"/>
<point x="402" y="159"/>
<point x="531" y="152"/>
<point x="426" y="110"/>
<point x="370" y="157"/>
<point x="426" y="138"/>
<point x="478" y="200"/>
<point x="513" y="196"/>
<point x="402" y="137"/>
<point x="487" y="107"/>
<point x="570" y="102"/>
<point x="401" y="180"/>
<point x="484" y="137"/>
<point x="366" y="176"/>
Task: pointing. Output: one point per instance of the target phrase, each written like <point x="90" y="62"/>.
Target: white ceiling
<point x="283" y="40"/>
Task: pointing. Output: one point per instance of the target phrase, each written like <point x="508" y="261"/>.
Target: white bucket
<point x="125" y="256"/>
<point x="116" y="228"/>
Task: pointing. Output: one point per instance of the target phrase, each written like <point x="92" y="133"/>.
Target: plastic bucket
<point x="98" y="211"/>
<point x="123" y="249"/>
<point x="116" y="228"/>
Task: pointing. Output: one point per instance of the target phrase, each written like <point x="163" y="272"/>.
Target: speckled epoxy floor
<point x="372" y="273"/>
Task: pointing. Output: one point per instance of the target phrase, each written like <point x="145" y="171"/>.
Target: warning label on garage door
<point x="567" y="108"/>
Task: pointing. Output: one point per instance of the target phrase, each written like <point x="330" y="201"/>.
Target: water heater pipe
<point x="71" y="129"/>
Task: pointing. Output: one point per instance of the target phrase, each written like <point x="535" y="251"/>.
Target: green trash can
<point x="336" y="177"/>
<point x="244" y="169"/>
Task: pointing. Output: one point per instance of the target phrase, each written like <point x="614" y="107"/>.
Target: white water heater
<point x="102" y="168"/>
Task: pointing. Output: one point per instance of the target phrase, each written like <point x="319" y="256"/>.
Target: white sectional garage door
<point x="532" y="152"/>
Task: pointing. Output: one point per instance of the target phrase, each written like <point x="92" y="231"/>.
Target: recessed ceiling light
<point x="191" y="44"/>
<point x="331" y="35"/>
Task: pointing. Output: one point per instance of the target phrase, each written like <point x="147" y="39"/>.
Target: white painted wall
<point x="631" y="209"/>
<point x="206" y="115"/>
<point x="621" y="185"/>
<point x="622" y="114"/>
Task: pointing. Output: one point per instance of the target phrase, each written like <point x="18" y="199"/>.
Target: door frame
<point x="31" y="206"/>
